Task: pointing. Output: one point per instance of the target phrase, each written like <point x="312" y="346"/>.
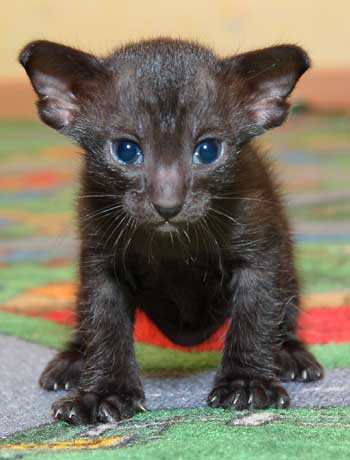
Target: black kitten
<point x="178" y="212"/>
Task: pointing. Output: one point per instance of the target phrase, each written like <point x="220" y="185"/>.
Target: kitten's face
<point x="164" y="137"/>
<point x="162" y="121"/>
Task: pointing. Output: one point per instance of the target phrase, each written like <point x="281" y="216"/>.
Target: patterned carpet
<point x="37" y="290"/>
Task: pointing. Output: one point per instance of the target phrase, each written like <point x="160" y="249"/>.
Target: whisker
<point x="119" y="224"/>
<point x="101" y="212"/>
<point x="131" y="233"/>
<point x="238" y="198"/>
<point x="100" y="195"/>
<point x="226" y="216"/>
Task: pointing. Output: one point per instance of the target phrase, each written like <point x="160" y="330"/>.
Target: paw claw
<point x="247" y="393"/>
<point x="89" y="407"/>
<point x="107" y="416"/>
<point x="141" y="407"/>
<point x="65" y="367"/>
<point x="235" y="401"/>
<point x="281" y="402"/>
<point x="66" y="386"/>
<point x="297" y="363"/>
<point x="58" y="414"/>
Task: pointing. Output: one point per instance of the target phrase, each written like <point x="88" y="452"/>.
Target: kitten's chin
<point x="166" y="227"/>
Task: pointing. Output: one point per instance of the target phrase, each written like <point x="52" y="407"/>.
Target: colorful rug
<point x="37" y="289"/>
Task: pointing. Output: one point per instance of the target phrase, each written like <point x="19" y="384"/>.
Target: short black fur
<point x="225" y="251"/>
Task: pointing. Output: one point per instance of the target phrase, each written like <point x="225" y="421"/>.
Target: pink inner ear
<point x="51" y="85"/>
<point x="269" y="112"/>
<point x="57" y="102"/>
<point x="56" y="112"/>
<point x="268" y="106"/>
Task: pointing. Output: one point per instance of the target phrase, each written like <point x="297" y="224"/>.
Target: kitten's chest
<point x="188" y="300"/>
<point x="177" y="275"/>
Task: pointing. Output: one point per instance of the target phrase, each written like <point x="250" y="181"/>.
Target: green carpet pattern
<point x="193" y="434"/>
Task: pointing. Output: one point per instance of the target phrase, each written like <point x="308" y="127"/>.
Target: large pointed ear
<point x="60" y="76"/>
<point x="264" y="79"/>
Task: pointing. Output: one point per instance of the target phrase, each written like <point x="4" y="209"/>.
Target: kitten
<point x="178" y="213"/>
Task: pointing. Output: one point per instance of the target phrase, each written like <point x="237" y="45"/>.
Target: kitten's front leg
<point x="110" y="387"/>
<point x="247" y="376"/>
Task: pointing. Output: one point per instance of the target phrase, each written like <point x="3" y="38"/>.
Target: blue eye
<point x="207" y="152"/>
<point x="127" y="152"/>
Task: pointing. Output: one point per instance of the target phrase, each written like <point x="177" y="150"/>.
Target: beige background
<point x="228" y="26"/>
<point x="321" y="26"/>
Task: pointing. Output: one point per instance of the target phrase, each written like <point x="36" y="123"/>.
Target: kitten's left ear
<point x="264" y="79"/>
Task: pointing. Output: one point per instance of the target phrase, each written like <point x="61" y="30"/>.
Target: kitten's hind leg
<point x="64" y="370"/>
<point x="295" y="362"/>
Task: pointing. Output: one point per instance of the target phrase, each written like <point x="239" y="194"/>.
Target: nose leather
<point x="168" y="212"/>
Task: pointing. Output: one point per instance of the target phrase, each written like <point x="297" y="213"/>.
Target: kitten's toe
<point x="115" y="408"/>
<point x="297" y="363"/>
<point x="62" y="373"/>
<point x="245" y="393"/>
<point x="83" y="408"/>
<point x="70" y="410"/>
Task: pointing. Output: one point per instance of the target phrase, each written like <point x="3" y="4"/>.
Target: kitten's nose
<point x="168" y="211"/>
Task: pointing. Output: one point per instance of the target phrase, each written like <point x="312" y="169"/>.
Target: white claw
<point x="304" y="375"/>
<point x="107" y="415"/>
<point x="236" y="399"/>
<point x="250" y="400"/>
<point x="292" y="376"/>
<point x="213" y="399"/>
<point x="66" y="386"/>
<point x="72" y="413"/>
<point x="142" y="408"/>
<point x="58" y="412"/>
<point x="55" y="386"/>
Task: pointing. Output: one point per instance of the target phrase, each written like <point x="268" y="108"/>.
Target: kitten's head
<point x="162" y="122"/>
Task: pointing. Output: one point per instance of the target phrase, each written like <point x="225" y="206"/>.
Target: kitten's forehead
<point x="166" y="78"/>
<point x="174" y="58"/>
<point x="163" y="66"/>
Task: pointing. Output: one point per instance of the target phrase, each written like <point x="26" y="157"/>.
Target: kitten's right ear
<point x="60" y="76"/>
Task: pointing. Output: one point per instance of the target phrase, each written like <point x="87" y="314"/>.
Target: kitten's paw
<point x="296" y="363"/>
<point x="63" y="372"/>
<point x="245" y="393"/>
<point x="92" y="408"/>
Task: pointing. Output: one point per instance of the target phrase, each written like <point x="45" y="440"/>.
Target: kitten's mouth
<point x="166" y="226"/>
